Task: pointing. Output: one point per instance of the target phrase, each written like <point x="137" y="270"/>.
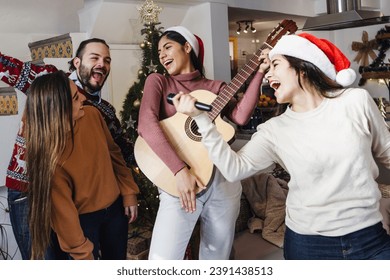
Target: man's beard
<point x="85" y="76"/>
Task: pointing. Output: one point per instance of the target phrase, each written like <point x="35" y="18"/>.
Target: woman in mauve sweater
<point x="181" y="53"/>
<point x="79" y="184"/>
<point x="327" y="140"/>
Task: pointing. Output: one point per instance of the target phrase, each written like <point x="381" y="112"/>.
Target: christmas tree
<point x="148" y="197"/>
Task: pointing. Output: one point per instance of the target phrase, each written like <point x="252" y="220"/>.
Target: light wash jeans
<point x="217" y="209"/>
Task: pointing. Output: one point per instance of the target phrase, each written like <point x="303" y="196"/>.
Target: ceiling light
<point x="252" y="28"/>
<point x="239" y="28"/>
<point x="246" y="28"/>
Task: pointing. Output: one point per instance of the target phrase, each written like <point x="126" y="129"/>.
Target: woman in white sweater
<point x="328" y="140"/>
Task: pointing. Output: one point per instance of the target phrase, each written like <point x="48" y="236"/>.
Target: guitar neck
<point x="236" y="83"/>
<point x="285" y="27"/>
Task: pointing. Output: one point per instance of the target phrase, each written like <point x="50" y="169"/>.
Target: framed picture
<point x="8" y="101"/>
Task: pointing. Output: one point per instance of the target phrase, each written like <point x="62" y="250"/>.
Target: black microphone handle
<point x="198" y="105"/>
<point x="203" y="106"/>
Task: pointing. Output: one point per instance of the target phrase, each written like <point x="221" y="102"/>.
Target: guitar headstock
<point x="285" y="27"/>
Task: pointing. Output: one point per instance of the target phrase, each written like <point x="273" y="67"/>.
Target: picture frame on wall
<point x="8" y="101"/>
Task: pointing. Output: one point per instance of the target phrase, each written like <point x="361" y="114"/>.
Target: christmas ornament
<point x="382" y="109"/>
<point x="365" y="50"/>
<point x="149" y="12"/>
<point x="130" y="123"/>
<point x="136" y="104"/>
<point x="152" y="67"/>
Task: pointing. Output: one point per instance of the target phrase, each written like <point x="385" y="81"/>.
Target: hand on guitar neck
<point x="264" y="61"/>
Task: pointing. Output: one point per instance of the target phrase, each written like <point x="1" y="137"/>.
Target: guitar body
<point x="181" y="132"/>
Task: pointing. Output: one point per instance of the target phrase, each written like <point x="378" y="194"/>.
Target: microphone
<point x="198" y="105"/>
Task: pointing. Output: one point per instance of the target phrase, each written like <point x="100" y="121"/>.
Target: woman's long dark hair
<point x="48" y="120"/>
<point x="315" y="77"/>
<point x="177" y="37"/>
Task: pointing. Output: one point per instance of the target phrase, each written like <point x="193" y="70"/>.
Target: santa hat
<point x="195" y="42"/>
<point x="322" y="53"/>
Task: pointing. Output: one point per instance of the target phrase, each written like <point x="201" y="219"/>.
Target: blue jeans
<point x="18" y="212"/>
<point x="107" y="230"/>
<point x="369" y="243"/>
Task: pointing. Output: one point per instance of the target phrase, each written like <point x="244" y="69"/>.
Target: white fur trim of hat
<point x="191" y="39"/>
<point x="322" y="53"/>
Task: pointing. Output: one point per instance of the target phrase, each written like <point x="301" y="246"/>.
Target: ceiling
<point x="64" y="15"/>
<point x="263" y="21"/>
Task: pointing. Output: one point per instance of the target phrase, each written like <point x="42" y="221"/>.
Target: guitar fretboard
<point x="236" y="83"/>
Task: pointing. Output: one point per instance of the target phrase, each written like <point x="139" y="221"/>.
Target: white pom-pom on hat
<point x="346" y="77"/>
<point x="321" y="52"/>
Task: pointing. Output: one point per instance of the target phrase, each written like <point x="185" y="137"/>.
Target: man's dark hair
<point x="81" y="48"/>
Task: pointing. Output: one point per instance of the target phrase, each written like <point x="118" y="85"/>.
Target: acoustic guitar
<point x="182" y="131"/>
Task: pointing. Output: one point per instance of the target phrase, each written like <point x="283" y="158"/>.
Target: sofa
<point x="260" y="225"/>
<point x="250" y="245"/>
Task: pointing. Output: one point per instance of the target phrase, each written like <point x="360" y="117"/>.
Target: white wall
<point x="213" y="30"/>
<point x="126" y="61"/>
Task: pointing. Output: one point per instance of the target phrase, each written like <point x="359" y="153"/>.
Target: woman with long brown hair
<point x="78" y="179"/>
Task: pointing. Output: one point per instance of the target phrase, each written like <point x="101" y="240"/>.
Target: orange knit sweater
<point x="89" y="177"/>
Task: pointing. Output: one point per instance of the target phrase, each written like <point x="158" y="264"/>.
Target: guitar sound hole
<point x="191" y="129"/>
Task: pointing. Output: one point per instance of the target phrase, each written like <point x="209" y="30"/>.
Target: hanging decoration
<point x="365" y="49"/>
<point x="379" y="68"/>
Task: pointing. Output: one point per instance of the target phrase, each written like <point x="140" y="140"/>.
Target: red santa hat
<point x="321" y="52"/>
<point x="195" y="42"/>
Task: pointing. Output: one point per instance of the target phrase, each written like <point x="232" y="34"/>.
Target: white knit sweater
<point x="329" y="153"/>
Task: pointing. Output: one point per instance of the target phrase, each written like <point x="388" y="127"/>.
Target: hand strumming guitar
<point x="187" y="185"/>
